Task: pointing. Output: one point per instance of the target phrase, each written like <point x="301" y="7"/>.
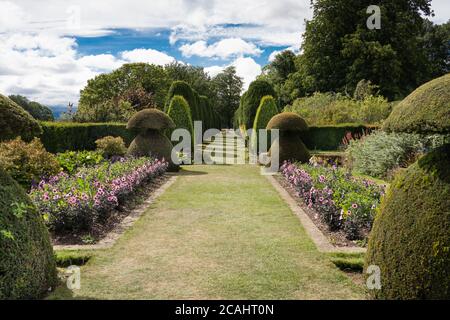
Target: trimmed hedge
<point x="331" y="137"/>
<point x="179" y="113"/>
<point x="15" y="121"/>
<point x="182" y="88"/>
<point x="410" y="239"/>
<point x="27" y="264"/>
<point x="426" y="110"/>
<point x="266" y="111"/>
<point x="251" y="99"/>
<point x="63" y="136"/>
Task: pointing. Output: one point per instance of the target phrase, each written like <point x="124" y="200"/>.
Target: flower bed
<point x="77" y="202"/>
<point x="342" y="201"/>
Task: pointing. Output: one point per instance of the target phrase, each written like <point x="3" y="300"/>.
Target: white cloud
<point x="246" y="68"/>
<point x="223" y="49"/>
<point x="273" y="55"/>
<point x="214" y="70"/>
<point x="47" y="68"/>
<point x="148" y="56"/>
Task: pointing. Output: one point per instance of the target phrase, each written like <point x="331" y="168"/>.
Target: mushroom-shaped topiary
<point x="289" y="146"/>
<point x="15" y="121"/>
<point x="27" y="265"/>
<point x="410" y="240"/>
<point x="426" y="110"/>
<point x="150" y="140"/>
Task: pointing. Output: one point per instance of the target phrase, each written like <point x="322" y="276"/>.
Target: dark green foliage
<point x="290" y="147"/>
<point x="339" y="50"/>
<point x="410" y="240"/>
<point x="251" y="99"/>
<point x="287" y="121"/>
<point x="181" y="88"/>
<point x="149" y="119"/>
<point x="426" y="110"/>
<point x="179" y="112"/>
<point x="331" y="137"/>
<point x="135" y="86"/>
<point x="15" y="121"/>
<point x="206" y="111"/>
<point x="37" y="110"/>
<point x="228" y="87"/>
<point x="27" y="265"/>
<point x="152" y="143"/>
<point x="63" y="136"/>
<point x="266" y="111"/>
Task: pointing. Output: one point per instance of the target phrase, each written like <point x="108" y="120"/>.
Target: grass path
<point x="220" y="232"/>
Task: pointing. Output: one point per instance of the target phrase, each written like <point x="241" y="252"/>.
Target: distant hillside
<point x="59" y="110"/>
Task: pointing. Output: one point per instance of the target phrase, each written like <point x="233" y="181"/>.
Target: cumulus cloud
<point x="223" y="49"/>
<point x="246" y="68"/>
<point x="48" y="69"/>
<point x="147" y="55"/>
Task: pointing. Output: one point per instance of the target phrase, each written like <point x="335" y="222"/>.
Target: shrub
<point x="179" y="112"/>
<point x="16" y="122"/>
<point x="78" y="202"/>
<point x="343" y="202"/>
<point x="331" y="109"/>
<point x="426" y="110"/>
<point x="71" y="161"/>
<point x="365" y="89"/>
<point x="149" y="119"/>
<point x="206" y="111"/>
<point x="289" y="146"/>
<point x="410" y="240"/>
<point x="111" y="146"/>
<point x="27" y="266"/>
<point x="151" y="141"/>
<point x="37" y="110"/>
<point x="266" y="110"/>
<point x="64" y="136"/>
<point x="251" y="99"/>
<point x="27" y="162"/>
<point x="380" y="153"/>
<point x="182" y="88"/>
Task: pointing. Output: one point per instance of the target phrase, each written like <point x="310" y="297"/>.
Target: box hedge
<point x="331" y="137"/>
<point x="63" y="136"/>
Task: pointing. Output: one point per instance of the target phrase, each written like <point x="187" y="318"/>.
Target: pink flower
<point x="354" y="206"/>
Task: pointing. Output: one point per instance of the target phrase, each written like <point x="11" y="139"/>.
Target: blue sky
<point x="49" y="49"/>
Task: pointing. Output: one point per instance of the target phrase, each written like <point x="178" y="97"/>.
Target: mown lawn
<point x="220" y="232"/>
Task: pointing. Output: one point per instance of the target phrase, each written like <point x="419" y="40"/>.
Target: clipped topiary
<point x="179" y="113"/>
<point x="426" y="110"/>
<point x="410" y="241"/>
<point x="150" y="140"/>
<point x="251" y="99"/>
<point x="182" y="88"/>
<point x="267" y="110"/>
<point x="27" y="265"/>
<point x="289" y="146"/>
<point x="15" y="121"/>
<point x="206" y="112"/>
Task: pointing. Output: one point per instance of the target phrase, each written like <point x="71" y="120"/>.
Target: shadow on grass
<point x="186" y="172"/>
<point x="64" y="293"/>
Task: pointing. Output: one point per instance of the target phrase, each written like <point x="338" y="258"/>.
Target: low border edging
<point x="111" y="238"/>
<point x="320" y="240"/>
